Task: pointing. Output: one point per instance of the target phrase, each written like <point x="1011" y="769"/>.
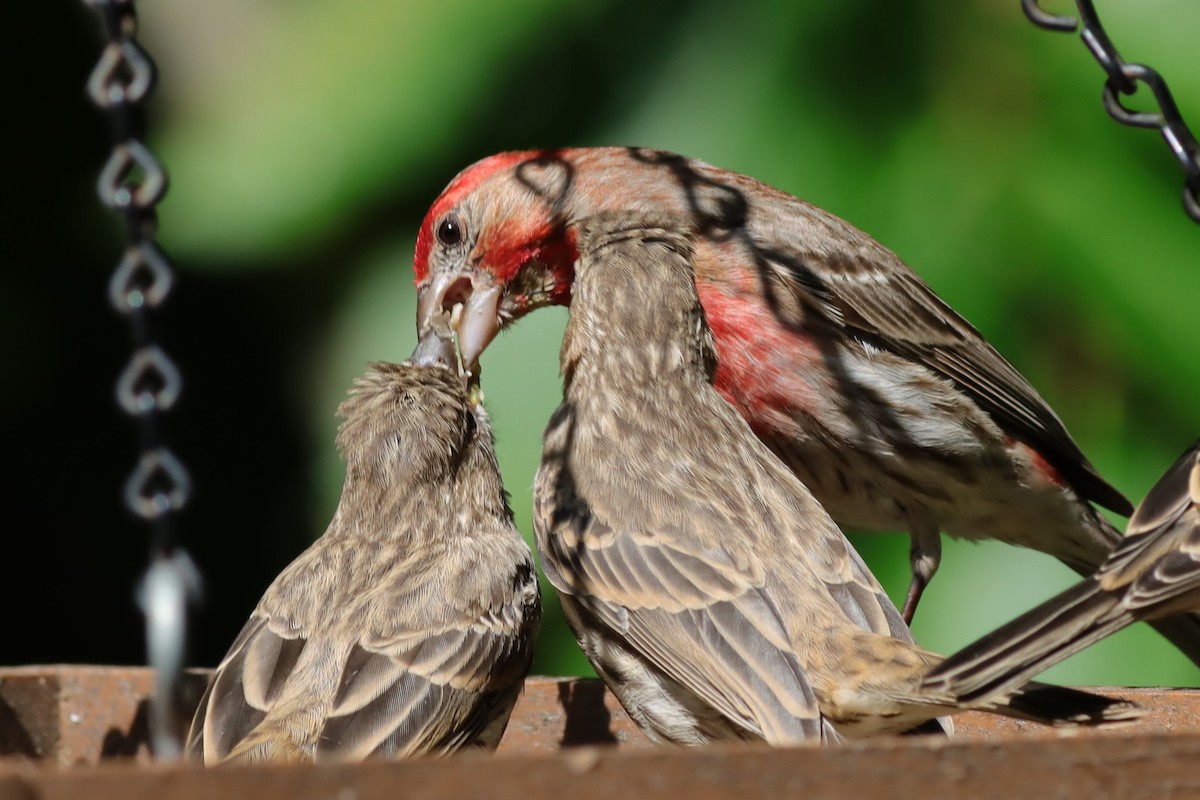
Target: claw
<point x="915" y="590"/>
<point x="924" y="556"/>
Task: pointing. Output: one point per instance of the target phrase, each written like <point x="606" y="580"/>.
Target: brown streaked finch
<point x="706" y="585"/>
<point x="409" y="626"/>
<point x="1154" y="572"/>
<point x="887" y="404"/>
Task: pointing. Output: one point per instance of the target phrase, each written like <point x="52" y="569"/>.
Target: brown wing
<point x="858" y="594"/>
<point x="874" y="297"/>
<point x="404" y="688"/>
<point x="809" y="257"/>
<point x="407" y="692"/>
<point x="706" y="622"/>
<point x="244" y="687"/>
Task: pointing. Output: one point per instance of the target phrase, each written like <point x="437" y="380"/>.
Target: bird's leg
<point x="924" y="556"/>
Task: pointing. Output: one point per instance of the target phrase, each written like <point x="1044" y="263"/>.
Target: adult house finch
<point x="409" y="626"/>
<point x="1155" y="571"/>
<point x="891" y="408"/>
<point x="704" y="582"/>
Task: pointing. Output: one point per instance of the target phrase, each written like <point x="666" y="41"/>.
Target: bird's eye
<point x="449" y="230"/>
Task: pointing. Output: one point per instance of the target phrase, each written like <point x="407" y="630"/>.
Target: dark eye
<point x="449" y="230"/>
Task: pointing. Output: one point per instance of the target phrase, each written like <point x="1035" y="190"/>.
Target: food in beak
<point x="474" y="313"/>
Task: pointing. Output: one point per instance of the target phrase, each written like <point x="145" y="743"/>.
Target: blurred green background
<point x="306" y="139"/>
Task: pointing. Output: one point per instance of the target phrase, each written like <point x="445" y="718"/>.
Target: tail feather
<point x="1117" y="590"/>
<point x="1181" y="630"/>
<point x="1011" y="655"/>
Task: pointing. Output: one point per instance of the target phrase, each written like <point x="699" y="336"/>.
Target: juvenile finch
<point x="892" y="409"/>
<point x="409" y="626"/>
<point x="704" y="582"/>
<point x="1155" y="571"/>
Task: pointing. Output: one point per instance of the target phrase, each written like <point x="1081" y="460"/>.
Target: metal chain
<point x="1123" y="79"/>
<point x="132" y="183"/>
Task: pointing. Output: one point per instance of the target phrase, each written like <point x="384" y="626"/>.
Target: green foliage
<point x="971" y="143"/>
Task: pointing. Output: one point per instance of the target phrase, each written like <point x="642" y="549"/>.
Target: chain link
<point x="132" y="183"/>
<point x="1123" y="79"/>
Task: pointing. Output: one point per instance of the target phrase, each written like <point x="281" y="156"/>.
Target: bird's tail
<point x="1011" y="655"/>
<point x="994" y="671"/>
<point x="1181" y="630"/>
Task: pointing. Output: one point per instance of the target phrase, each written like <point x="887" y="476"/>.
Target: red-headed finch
<point x="704" y="582"/>
<point x="1154" y="572"/>
<point x="887" y="404"/>
<point x="408" y="627"/>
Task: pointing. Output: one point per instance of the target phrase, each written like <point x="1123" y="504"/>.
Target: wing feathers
<point x="694" y="617"/>
<point x="882" y="300"/>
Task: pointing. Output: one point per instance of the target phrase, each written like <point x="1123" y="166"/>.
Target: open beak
<point x="474" y="306"/>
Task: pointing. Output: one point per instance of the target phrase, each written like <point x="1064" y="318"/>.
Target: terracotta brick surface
<point x="77" y="714"/>
<point x="70" y="715"/>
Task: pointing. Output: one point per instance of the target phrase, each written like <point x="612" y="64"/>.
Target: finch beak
<point x="474" y="306"/>
<point x="437" y="346"/>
